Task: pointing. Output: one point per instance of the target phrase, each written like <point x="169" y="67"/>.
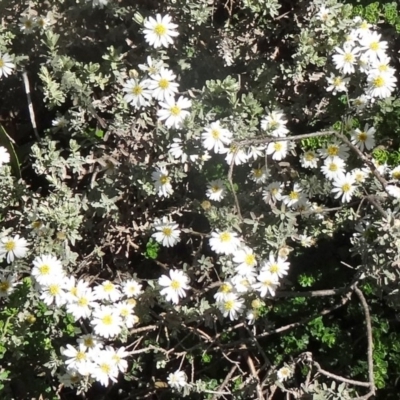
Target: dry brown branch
<point x="225" y="382"/>
<point x="230" y="173"/>
<point x="369" y="339"/>
<point x="340" y="378"/>
<point x="250" y="363"/>
<point x="30" y="105"/>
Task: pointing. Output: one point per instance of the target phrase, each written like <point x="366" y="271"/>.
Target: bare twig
<point x="30" y="105"/>
<point x="250" y="363"/>
<point x="230" y="173"/>
<point x="225" y="382"/>
<point x="369" y="339"/>
<point x="340" y="378"/>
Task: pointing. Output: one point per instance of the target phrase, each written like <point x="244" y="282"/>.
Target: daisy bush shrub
<point x="199" y="199"/>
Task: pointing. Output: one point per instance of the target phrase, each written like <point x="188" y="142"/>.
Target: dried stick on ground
<point x="30" y="105"/>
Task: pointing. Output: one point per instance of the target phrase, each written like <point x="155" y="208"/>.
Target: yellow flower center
<point x="229" y="304"/>
<point x="137" y="90"/>
<point x="309" y="156"/>
<point x="107" y="320"/>
<point x="250" y="259"/>
<point x="348" y="57"/>
<point x="274" y="191"/>
<point x="215" y="133"/>
<point x="160" y="29"/>
<point x="163" y="83"/>
<point x="108" y="287"/>
<point x="294" y="195"/>
<point x="396" y="174"/>
<point x="105" y="368"/>
<point x="362" y="136"/>
<point x="83" y="302"/>
<point x="215" y="189"/>
<point x="175" y="284"/>
<point x="224" y="288"/>
<point x="383" y="68"/>
<point x="124" y="312"/>
<point x="278" y="146"/>
<point x="273" y="124"/>
<point x="10" y="245"/>
<point x="4" y="287"/>
<point x="175" y="110"/>
<point x="167" y="231"/>
<point x="346" y="188"/>
<point x="164" y="179"/>
<point x="257" y="172"/>
<point x="88" y="342"/>
<point x="333" y="167"/>
<point x="74" y="291"/>
<point x="225" y="237"/>
<point x="274" y="268"/>
<point x="374" y="46"/>
<point x="332" y="151"/>
<point x="267" y="283"/>
<point x="44" y="269"/>
<point x="337" y="81"/>
<point x="378" y="82"/>
<point x="1" y="63"/>
<point x="80" y="356"/>
<point x="364" y="25"/>
<point x="54" y="290"/>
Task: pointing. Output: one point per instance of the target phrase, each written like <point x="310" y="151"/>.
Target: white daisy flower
<point x="177" y="379"/>
<point x="223" y="290"/>
<point x="167" y="232"/>
<point x="77" y="358"/>
<point x="361" y="102"/>
<point x="173" y="112"/>
<point x="104" y="368"/>
<point x="359" y="175"/>
<point x="137" y="93"/>
<point x="393" y="190"/>
<point x="239" y="155"/>
<point x="284" y="373"/>
<point x="132" y="288"/>
<point x="216" y="190"/>
<point x="275" y="124"/>
<point x="267" y="282"/>
<point x="27" y="24"/>
<point x="162" y="182"/>
<point x="346" y="59"/>
<point x="246" y="260"/>
<point x="276" y="267"/>
<point x="7" y="284"/>
<point x="54" y="293"/>
<point x="333" y="167"/>
<point x="160" y="31"/>
<point x="344" y="185"/>
<point x="176" y="150"/>
<point x="337" y="84"/>
<point x="13" y="248"/>
<point x="324" y="14"/>
<point x="153" y="67"/>
<point x="242" y="283"/>
<point x="278" y="150"/>
<point x="118" y="357"/>
<point x="255" y="152"/>
<point x="99" y="3"/>
<point x="259" y="175"/>
<point x="107" y="291"/>
<point x="70" y="379"/>
<point x="216" y="138"/>
<point x="364" y="138"/>
<point x="273" y="192"/>
<point x="125" y="310"/>
<point x="106" y="321"/>
<point x="309" y="159"/>
<point x="225" y="242"/>
<point x="162" y="85"/>
<point x="335" y="149"/>
<point x="4" y="156"/>
<point x="82" y="305"/>
<point x="232" y="305"/>
<point x="6" y="65"/>
<point x="294" y="196"/>
<point x="373" y="45"/>
<point x="174" y="285"/>
<point x="90" y="341"/>
<point x="380" y="84"/>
